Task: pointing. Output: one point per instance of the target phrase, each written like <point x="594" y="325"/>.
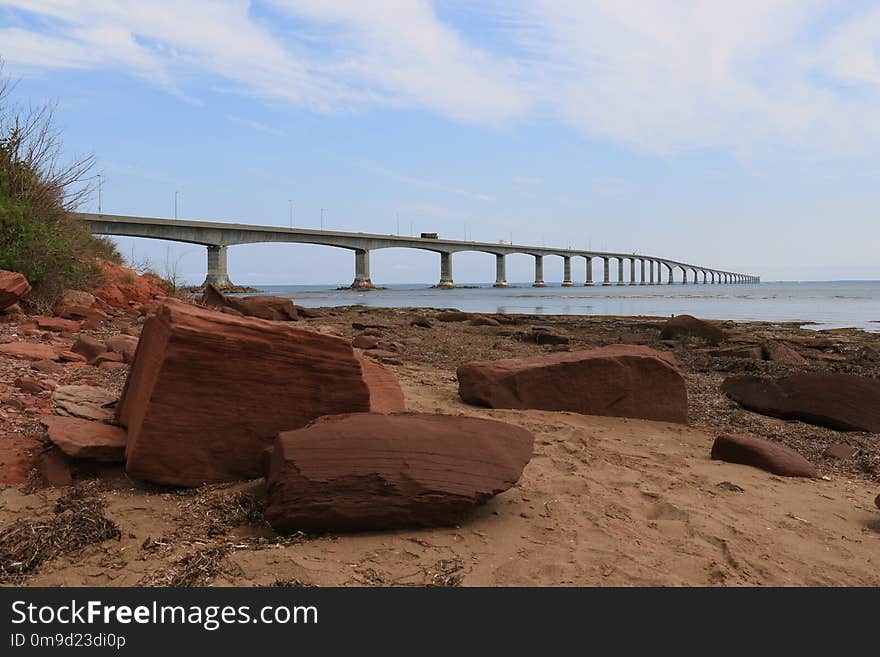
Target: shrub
<point x="38" y="235"/>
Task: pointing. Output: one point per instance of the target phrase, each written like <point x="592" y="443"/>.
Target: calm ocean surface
<point x="824" y="304"/>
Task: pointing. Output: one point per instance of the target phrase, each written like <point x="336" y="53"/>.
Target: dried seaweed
<point x="198" y="568"/>
<point x="78" y="521"/>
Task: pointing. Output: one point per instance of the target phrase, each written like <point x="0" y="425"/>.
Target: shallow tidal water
<point x="821" y="305"/>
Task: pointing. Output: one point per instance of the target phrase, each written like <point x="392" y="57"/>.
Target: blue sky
<point x="740" y="135"/>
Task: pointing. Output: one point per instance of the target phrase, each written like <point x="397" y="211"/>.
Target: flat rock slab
<point x="368" y="471"/>
<point x="619" y="380"/>
<point x="86" y="402"/>
<point x="57" y="324"/>
<point x="840" y="401"/>
<point x="29" y="351"/>
<point x="86" y="439"/>
<point x="763" y="454"/>
<point x="208" y="392"/>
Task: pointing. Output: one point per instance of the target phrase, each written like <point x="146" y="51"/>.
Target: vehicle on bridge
<point x="429" y="236"/>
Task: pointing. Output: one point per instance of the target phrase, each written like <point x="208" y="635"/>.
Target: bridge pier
<point x="651" y="264"/>
<point x="539" y="272"/>
<point x="446" y="281"/>
<point x="217" y="275"/>
<point x="362" y="271"/>
<point x="671" y="279"/>
<point x="620" y="280"/>
<point x="500" y="271"/>
<point x="606" y="271"/>
<point x="642" y="279"/>
<point x="589" y="280"/>
<point x="566" y="271"/>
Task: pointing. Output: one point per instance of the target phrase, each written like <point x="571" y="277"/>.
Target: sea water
<point x="818" y="305"/>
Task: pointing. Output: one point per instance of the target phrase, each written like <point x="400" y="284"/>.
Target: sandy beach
<point x="604" y="501"/>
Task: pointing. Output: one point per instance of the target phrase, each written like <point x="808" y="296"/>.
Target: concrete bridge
<point x="218" y="237"/>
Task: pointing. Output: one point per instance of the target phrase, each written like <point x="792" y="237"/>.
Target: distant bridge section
<point x="218" y="237"/>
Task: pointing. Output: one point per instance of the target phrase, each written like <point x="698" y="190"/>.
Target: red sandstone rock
<point x="279" y="309"/>
<point x="29" y="384"/>
<point x="385" y="393"/>
<point x="47" y="367"/>
<point x="618" y="380"/>
<point x="13" y="286"/>
<point x="542" y="335"/>
<point x="71" y="357"/>
<point x="384" y="356"/>
<point x="780" y="353"/>
<point x="124" y="345"/>
<point x="686" y="326"/>
<point x="841" y="401"/>
<point x="84" y="401"/>
<point x="85" y="439"/>
<point x="88" y="347"/>
<point x="110" y="365"/>
<point x="365" y="342"/>
<point x="369" y="471"/>
<point x="57" y="324"/>
<point x="29" y="351"/>
<point x="763" y="454"/>
<point x="81" y="313"/>
<point x="107" y="357"/>
<point x="753" y="352"/>
<point x="482" y="320"/>
<point x="208" y="392"/>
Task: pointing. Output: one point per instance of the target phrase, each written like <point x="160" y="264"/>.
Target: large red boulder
<point x="686" y="326"/>
<point x="208" y="392"/>
<point x="841" y="401"/>
<point x="369" y="471"/>
<point x="760" y="453"/>
<point x="13" y="286"/>
<point x="618" y="380"/>
<point x="86" y="439"/>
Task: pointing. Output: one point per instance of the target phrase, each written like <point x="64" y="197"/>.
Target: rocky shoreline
<point x="673" y="488"/>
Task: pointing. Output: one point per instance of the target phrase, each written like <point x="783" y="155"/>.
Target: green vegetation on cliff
<point x="38" y="236"/>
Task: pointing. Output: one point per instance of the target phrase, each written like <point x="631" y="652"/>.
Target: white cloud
<point x="659" y="76"/>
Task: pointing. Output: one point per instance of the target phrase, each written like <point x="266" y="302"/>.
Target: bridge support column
<point x="589" y="280"/>
<point x="362" y="271"/>
<point x="217" y="275"/>
<point x="704" y="277"/>
<point x="642" y="279"/>
<point x="632" y="271"/>
<point x="620" y="280"/>
<point x="539" y="272"/>
<point x="651" y="264"/>
<point x="446" y="281"/>
<point x="566" y="271"/>
<point x="500" y="271"/>
<point x="606" y="280"/>
<point x="684" y="276"/>
<point x="671" y="279"/>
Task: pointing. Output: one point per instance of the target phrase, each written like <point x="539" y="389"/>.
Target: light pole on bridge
<point x="290" y="201"/>
<point x="322" y="218"/>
